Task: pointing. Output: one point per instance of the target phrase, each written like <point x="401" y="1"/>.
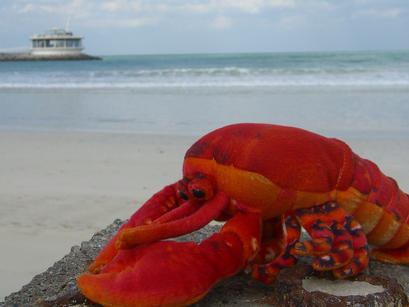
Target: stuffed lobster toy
<point x="266" y="182"/>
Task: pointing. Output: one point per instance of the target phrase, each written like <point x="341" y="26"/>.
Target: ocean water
<point x="335" y="93"/>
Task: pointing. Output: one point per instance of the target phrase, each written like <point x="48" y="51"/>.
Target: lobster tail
<point x="375" y="195"/>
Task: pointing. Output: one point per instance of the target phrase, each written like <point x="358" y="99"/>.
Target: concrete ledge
<point x="8" y="57"/>
<point x="380" y="285"/>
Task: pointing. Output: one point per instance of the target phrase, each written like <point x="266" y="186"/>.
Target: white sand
<point x="57" y="189"/>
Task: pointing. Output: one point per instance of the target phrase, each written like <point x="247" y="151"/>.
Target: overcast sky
<point x="200" y="26"/>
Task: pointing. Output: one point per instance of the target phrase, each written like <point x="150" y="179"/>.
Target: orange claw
<point x="156" y="208"/>
<point x="169" y="273"/>
<point x="131" y="237"/>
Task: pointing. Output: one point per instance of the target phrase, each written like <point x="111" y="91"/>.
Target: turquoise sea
<point x="335" y="93"/>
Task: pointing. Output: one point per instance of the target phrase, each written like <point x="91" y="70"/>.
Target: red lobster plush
<point x="266" y="182"/>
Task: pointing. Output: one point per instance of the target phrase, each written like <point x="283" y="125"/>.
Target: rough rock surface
<point x="295" y="286"/>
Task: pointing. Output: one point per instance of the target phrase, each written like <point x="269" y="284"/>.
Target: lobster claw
<point x="168" y="273"/>
<point x="155" y="221"/>
<point x="155" y="209"/>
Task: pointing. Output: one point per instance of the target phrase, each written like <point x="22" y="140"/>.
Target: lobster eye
<point x="198" y="193"/>
<point x="200" y="188"/>
<point x="183" y="195"/>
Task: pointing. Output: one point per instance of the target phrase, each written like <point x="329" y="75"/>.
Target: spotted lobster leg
<point x="169" y="273"/>
<point x="278" y="251"/>
<point x="337" y="240"/>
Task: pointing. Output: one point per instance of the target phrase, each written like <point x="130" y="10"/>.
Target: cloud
<point x="200" y="8"/>
<point x="131" y="23"/>
<point x="211" y="6"/>
<point x="380" y="14"/>
<point x="26" y="8"/>
<point x="110" y="6"/>
<point x="122" y="5"/>
<point x="222" y="14"/>
<point x="224" y="7"/>
<point x="255" y="6"/>
<point x="221" y="22"/>
<point x="289" y="22"/>
<point x="115" y="13"/>
<point x="77" y="8"/>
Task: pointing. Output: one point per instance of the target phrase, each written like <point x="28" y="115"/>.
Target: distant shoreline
<point x="10" y="57"/>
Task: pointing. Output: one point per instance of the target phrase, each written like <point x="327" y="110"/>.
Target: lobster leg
<point x="169" y="273"/>
<point x="360" y="259"/>
<point x="160" y="204"/>
<point x="278" y="252"/>
<point x="338" y="241"/>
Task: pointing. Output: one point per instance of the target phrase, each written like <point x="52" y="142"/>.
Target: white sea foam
<point x="208" y="77"/>
<point x="356" y="92"/>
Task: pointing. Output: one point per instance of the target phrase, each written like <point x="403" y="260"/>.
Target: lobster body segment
<point x="296" y="169"/>
<point x="285" y="178"/>
<point x="289" y="157"/>
<point x="293" y="166"/>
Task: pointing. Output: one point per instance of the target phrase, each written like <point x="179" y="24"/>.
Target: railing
<point x="56" y="43"/>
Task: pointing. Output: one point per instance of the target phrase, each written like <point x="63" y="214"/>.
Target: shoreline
<point x="60" y="187"/>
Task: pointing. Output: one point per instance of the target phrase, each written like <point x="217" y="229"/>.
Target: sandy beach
<point x="58" y="188"/>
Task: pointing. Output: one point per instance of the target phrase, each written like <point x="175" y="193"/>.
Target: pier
<point x="7" y="57"/>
